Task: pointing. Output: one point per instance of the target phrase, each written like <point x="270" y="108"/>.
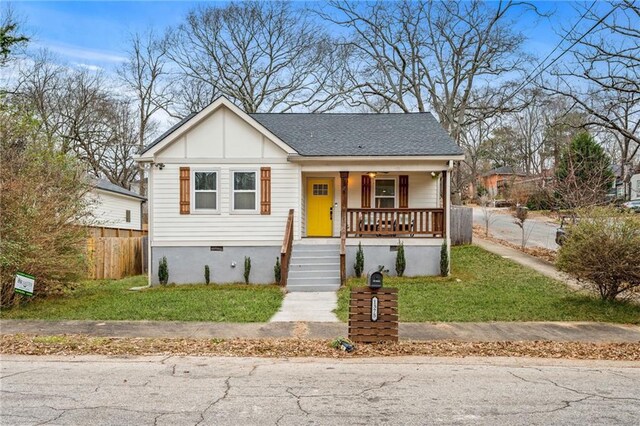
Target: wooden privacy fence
<point x="104" y="231"/>
<point x="461" y="225"/>
<point x="115" y="257"/>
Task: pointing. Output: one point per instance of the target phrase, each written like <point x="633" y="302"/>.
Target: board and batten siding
<point x="110" y="209"/>
<point x="423" y="189"/>
<point x="223" y="142"/>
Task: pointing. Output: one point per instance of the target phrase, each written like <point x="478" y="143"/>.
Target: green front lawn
<point x="112" y="300"/>
<point x="492" y="288"/>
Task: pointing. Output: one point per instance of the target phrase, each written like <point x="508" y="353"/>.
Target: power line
<point x="530" y="78"/>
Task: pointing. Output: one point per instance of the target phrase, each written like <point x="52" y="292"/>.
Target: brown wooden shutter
<point x="265" y="190"/>
<point x="365" y="199"/>
<point x="403" y="190"/>
<point x="185" y="190"/>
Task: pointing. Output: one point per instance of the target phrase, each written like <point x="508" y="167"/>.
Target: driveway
<point x="250" y="391"/>
<point x="540" y="233"/>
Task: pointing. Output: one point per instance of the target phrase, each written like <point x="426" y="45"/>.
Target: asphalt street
<point x="540" y="233"/>
<point x="249" y="391"/>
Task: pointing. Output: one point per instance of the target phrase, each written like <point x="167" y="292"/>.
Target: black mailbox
<point x="375" y="279"/>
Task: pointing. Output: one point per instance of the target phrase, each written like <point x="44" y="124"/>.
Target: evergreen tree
<point x="583" y="174"/>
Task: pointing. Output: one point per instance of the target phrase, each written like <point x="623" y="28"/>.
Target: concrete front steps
<point x="314" y="268"/>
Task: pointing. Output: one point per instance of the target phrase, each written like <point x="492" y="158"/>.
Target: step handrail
<point x="285" y="252"/>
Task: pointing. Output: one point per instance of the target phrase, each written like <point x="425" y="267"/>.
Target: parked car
<point x="632" y="205"/>
<point x="561" y="232"/>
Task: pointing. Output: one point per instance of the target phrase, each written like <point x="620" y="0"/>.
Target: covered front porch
<point x="377" y="204"/>
<point x="374" y="204"/>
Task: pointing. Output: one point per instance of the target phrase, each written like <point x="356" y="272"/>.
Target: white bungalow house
<point x="306" y="188"/>
<point x="113" y="206"/>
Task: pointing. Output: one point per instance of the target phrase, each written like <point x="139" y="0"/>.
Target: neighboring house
<point x="114" y="206"/>
<point x="222" y="184"/>
<point x="635" y="187"/>
<point x="497" y="181"/>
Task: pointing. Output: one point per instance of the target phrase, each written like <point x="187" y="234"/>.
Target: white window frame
<point x="193" y="191"/>
<point x="232" y="191"/>
<point x="395" y="192"/>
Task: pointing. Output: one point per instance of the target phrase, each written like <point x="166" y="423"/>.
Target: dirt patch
<point x="21" y="344"/>
<point x="539" y="252"/>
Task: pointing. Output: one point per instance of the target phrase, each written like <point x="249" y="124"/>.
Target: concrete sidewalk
<point x="317" y="306"/>
<point x="467" y="332"/>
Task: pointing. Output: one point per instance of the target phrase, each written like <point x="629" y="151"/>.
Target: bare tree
<point x="144" y="73"/>
<point x="474" y="141"/>
<point x="488" y="214"/>
<point x="425" y="55"/>
<point x="602" y="75"/>
<point x="266" y="56"/>
<point x="77" y="111"/>
<point x="40" y="84"/>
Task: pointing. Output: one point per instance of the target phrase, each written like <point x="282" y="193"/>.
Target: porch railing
<point x="396" y="222"/>
<point x="285" y="251"/>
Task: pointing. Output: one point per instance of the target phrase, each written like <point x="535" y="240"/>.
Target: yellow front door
<point x="319" y="205"/>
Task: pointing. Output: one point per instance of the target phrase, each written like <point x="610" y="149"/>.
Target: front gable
<point x="220" y="131"/>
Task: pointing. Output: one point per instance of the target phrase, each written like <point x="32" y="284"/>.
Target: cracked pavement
<point x="173" y="390"/>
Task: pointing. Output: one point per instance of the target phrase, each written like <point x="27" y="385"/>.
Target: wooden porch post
<point x="446" y="200"/>
<point x="344" y="200"/>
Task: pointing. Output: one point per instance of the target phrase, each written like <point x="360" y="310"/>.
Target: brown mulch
<point x="539" y="252"/>
<point x="23" y="344"/>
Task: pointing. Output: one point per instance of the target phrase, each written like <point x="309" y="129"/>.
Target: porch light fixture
<point x="435" y="175"/>
<point x="372" y="174"/>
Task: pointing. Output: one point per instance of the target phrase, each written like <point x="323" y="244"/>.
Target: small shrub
<point x="401" y="262"/>
<point x="444" y="260"/>
<point x="602" y="250"/>
<point x="540" y="200"/>
<point x="520" y="215"/>
<point x="163" y="271"/>
<point x="247" y="269"/>
<point x="359" y="265"/>
<point x="206" y="274"/>
<point x="277" y="271"/>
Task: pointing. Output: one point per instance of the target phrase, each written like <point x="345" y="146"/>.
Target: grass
<point x="112" y="300"/>
<point x="491" y="288"/>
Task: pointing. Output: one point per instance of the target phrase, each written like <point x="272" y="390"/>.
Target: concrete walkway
<point x="460" y="331"/>
<point x="308" y="306"/>
<point x="539" y="265"/>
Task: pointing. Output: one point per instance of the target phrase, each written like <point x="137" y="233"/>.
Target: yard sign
<point x="24" y="283"/>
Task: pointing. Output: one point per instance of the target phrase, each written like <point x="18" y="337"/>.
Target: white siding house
<point x="635" y="187"/>
<point x="115" y="207"/>
<point x="222" y="184"/>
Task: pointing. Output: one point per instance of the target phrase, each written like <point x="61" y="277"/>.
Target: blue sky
<point x="94" y="33"/>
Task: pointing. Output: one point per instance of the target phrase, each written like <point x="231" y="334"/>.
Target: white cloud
<point x="89" y="67"/>
<point x="75" y="52"/>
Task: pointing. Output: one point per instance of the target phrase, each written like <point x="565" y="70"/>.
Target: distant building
<point x="497" y="181"/>
<point x="115" y="207"/>
<point x="635" y="187"/>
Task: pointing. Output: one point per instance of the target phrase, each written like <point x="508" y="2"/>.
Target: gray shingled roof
<point x="345" y="134"/>
<point x="106" y="185"/>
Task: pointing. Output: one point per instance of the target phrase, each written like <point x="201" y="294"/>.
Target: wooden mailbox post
<point x="373" y="312"/>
